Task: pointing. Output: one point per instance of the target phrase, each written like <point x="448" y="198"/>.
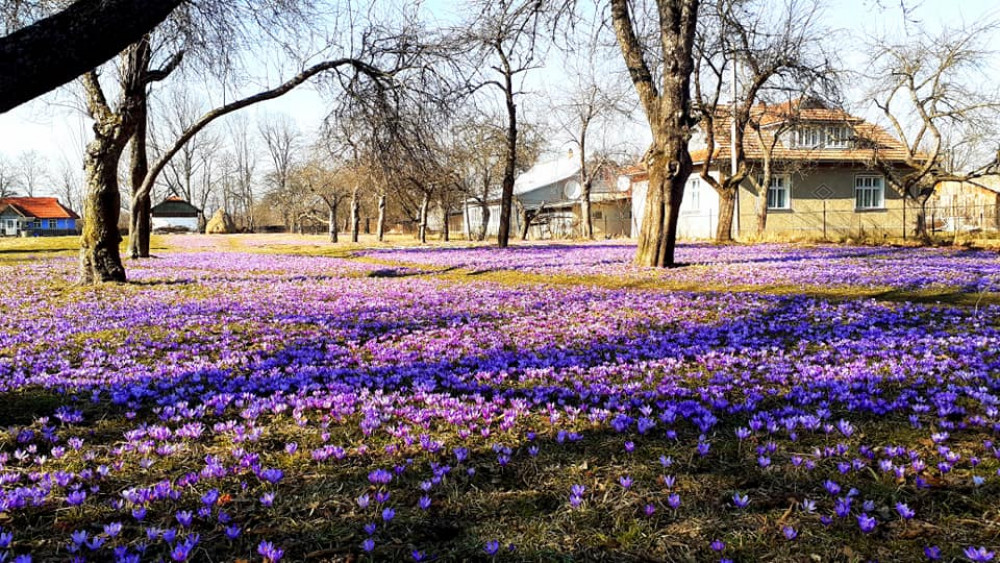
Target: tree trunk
<point x="380" y="225"/>
<point x="484" y="209"/>
<point x="355" y="215"/>
<point x="658" y="233"/>
<point x="920" y="228"/>
<point x="727" y="207"/>
<point x="333" y="222"/>
<point x="588" y="222"/>
<point x="445" y="227"/>
<point x="99" y="256"/>
<point x="510" y="164"/>
<point x="762" y="214"/>
<point x="424" y="203"/>
<point x="140" y="221"/>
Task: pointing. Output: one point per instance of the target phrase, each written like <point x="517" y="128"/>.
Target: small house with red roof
<point x="36" y="216"/>
<point x="824" y="181"/>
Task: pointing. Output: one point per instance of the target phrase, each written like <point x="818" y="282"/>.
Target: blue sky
<point x="57" y="130"/>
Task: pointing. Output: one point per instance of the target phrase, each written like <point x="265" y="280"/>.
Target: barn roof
<point x="174" y="207"/>
<point x="39" y="207"/>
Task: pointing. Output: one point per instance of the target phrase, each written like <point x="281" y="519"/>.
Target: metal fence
<point x="897" y="222"/>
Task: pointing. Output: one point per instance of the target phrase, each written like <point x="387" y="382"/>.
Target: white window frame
<point x="53" y="224"/>
<point x="779" y="183"/>
<point x="838" y="137"/>
<point x="869" y="192"/>
<point x="694" y="193"/>
<point x="808" y="137"/>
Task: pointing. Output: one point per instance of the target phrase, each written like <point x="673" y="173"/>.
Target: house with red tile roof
<point x="36" y="216"/>
<point x="823" y="182"/>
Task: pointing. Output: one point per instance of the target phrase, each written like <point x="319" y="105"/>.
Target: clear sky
<point x="55" y="127"/>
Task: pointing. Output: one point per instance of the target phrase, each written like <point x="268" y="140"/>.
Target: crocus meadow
<point x="277" y="407"/>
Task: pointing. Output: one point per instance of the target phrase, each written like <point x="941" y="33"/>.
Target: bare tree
<point x="32" y="171"/>
<point x="769" y="126"/>
<point x="190" y="175"/>
<point x="240" y="171"/>
<point x="596" y="99"/>
<point x="667" y="106"/>
<point x="752" y="46"/>
<point x="70" y="184"/>
<point x="504" y="36"/>
<point x="930" y="91"/>
<point x="8" y="187"/>
<point x="114" y="127"/>
<point x="281" y="140"/>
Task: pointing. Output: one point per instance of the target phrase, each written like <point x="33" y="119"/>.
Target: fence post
<point x="904" y="217"/>
<point x="824" y="222"/>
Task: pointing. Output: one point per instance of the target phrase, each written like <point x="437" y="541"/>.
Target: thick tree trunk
<point x="668" y="111"/>
<point x="424" y="203"/>
<point x="380" y="225"/>
<point x="727" y="207"/>
<point x="99" y="256"/>
<point x="355" y="215"/>
<point x="140" y="221"/>
<point x="658" y="233"/>
<point x="333" y="222"/>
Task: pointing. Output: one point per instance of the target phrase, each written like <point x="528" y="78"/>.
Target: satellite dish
<point x="624" y="183"/>
<point x="572" y="190"/>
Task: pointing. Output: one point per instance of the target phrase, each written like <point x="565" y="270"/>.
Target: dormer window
<point x="821" y="137"/>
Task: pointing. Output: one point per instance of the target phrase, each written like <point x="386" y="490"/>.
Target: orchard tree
<point x="504" y="38"/>
<point x="759" y="49"/>
<point x="930" y="91"/>
<point x="660" y="70"/>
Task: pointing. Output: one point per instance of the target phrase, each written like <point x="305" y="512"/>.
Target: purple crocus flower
<point x="269" y="552"/>
<point x="978" y="554"/>
<point x="905" y="511"/>
<point x="866" y="523"/>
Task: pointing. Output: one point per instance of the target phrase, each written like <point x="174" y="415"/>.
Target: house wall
<point x="699" y="215"/>
<point x="822" y="203"/>
<point x="612" y="219"/>
<point x="963" y="206"/>
<point x="493" y="227"/>
<point x="10" y="229"/>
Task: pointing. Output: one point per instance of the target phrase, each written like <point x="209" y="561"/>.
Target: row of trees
<point x="435" y="116"/>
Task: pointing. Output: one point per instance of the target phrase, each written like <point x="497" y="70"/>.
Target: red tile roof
<point x="867" y="136"/>
<point x="39" y="207"/>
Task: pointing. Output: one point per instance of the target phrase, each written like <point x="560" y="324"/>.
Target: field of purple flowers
<point x="262" y="407"/>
